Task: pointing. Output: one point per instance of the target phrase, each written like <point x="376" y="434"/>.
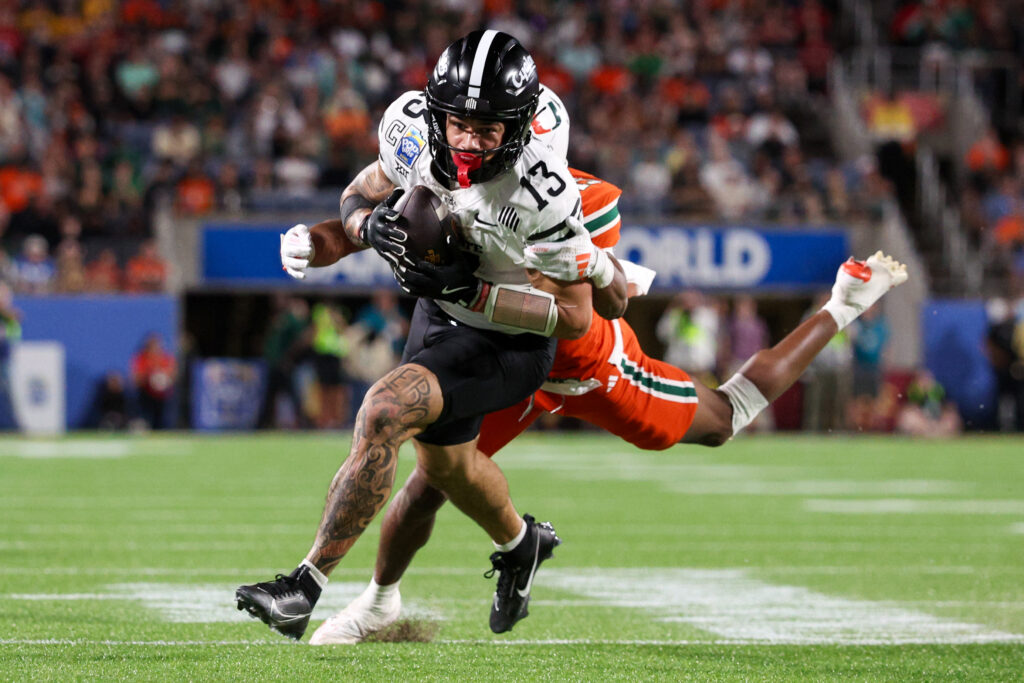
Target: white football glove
<point x="576" y="258"/>
<point x="296" y="251"/>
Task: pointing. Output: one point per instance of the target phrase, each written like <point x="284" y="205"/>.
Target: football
<point x="433" y="230"/>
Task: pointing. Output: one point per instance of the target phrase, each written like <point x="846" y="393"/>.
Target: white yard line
<point x="729" y="605"/>
<point x="734" y="605"/>
<point x="816" y="487"/>
<point x="92" y="448"/>
<point x="907" y="506"/>
<point x="191" y="603"/>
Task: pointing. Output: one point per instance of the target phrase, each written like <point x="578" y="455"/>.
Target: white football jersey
<point x="528" y="204"/>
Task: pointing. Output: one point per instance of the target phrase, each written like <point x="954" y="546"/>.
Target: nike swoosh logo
<point x="285" y="617"/>
<point x="445" y="290"/>
<point x="525" y="592"/>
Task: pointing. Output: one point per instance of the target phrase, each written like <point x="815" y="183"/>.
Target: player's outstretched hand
<point x="571" y="259"/>
<point x="384" y="229"/>
<point x="296" y="251"/>
<point x="454" y="282"/>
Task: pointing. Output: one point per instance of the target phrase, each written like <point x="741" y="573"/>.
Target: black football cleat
<point x="517" y="568"/>
<point x="283" y="604"/>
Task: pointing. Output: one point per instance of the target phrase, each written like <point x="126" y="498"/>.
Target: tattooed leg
<point x="396" y="408"/>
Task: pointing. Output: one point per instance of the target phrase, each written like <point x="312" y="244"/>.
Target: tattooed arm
<point x="338" y="237"/>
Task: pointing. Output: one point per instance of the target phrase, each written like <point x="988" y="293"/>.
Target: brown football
<point x="433" y="230"/>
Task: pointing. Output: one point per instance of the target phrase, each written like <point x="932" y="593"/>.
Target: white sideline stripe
<point x="727" y="604"/>
<point x="813" y="487"/>
<point x="730" y="604"/>
<point x="690" y="476"/>
<point x="91" y="448"/>
<point x="1017" y="528"/>
<point x="906" y="506"/>
<point x="211" y="603"/>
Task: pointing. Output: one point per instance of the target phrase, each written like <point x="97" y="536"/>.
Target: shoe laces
<point x="282" y="585"/>
<point x="499" y="563"/>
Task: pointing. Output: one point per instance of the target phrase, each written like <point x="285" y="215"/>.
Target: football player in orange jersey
<point x="606" y="379"/>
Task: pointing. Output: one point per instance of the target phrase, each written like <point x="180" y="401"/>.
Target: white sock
<point x="379" y="595"/>
<point x="505" y="547"/>
<point x="318" y="576"/>
<point x="746" y="399"/>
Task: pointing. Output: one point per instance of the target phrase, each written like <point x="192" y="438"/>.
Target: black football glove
<point x="454" y="282"/>
<point x="386" y="230"/>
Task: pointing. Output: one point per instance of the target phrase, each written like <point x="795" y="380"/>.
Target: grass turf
<point x="773" y="558"/>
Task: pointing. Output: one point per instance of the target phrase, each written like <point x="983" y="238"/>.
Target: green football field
<point x="771" y="558"/>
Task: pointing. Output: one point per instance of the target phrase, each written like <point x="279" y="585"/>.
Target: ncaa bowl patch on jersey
<point x="409" y="147"/>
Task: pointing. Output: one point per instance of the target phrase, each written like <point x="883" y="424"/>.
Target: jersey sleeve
<point x="550" y="124"/>
<point x="600" y="208"/>
<point x="402" y="136"/>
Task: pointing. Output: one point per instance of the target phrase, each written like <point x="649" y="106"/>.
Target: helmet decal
<point x="441" y="70"/>
<point x="528" y="70"/>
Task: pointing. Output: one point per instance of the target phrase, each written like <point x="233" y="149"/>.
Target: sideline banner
<point x="38" y="387"/>
<point x="226" y="393"/>
<point x="736" y="257"/>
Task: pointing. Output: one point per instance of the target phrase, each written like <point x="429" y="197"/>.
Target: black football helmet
<point x="484" y="75"/>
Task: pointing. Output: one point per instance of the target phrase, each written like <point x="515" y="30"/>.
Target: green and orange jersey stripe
<point x="600" y="208"/>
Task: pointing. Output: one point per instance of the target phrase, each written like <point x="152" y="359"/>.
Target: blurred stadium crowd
<point x="111" y="110"/>
<point x="710" y="109"/>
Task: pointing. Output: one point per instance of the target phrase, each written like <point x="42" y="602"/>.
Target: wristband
<point x="604" y="270"/>
<point x="350" y="205"/>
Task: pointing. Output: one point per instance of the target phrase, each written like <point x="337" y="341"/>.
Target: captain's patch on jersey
<point x="409" y="147"/>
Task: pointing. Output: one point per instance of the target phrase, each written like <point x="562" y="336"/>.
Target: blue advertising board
<point x="954" y="333"/>
<point x="736" y="257"/>
<point x="100" y="334"/>
<point x="749" y="258"/>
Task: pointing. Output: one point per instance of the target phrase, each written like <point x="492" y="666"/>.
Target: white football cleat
<point x="359" y="620"/>
<point x="859" y="284"/>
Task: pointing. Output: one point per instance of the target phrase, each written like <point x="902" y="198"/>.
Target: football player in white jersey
<point x="481" y="335"/>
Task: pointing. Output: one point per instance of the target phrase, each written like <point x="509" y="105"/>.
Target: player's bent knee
<point x="441" y="464"/>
